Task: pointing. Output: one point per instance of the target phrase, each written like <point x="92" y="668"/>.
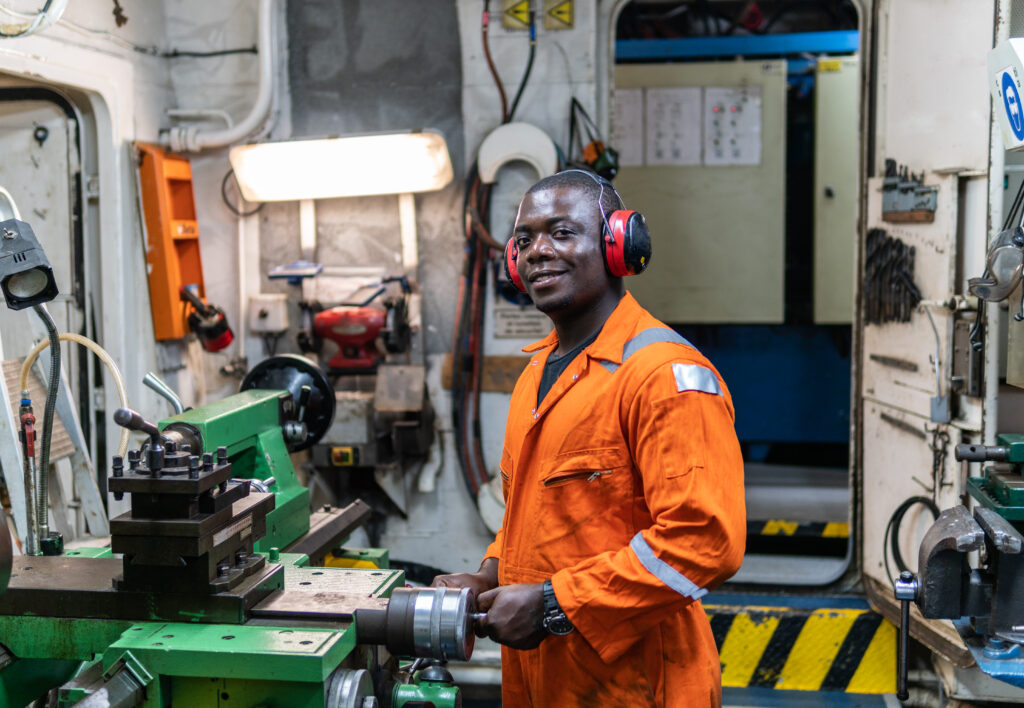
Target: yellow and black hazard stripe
<point x="849" y="649"/>
<point x="823" y="538"/>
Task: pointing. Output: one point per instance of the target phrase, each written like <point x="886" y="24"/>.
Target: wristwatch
<point x="554" y="620"/>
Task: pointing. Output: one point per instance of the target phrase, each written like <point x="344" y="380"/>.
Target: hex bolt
<point x="118" y="466"/>
<point x="193" y="467"/>
<point x="222" y="455"/>
<point x="240" y="557"/>
<point x="223" y="487"/>
<point x="223" y="569"/>
<point x="170" y="446"/>
<point x="133" y="460"/>
<point x="207" y="461"/>
<point x="186" y="448"/>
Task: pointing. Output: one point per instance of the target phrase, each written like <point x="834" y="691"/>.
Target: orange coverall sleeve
<point x="685" y="448"/>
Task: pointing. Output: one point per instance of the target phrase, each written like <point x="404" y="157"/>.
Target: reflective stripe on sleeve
<point x="663" y="571"/>
<point x="693" y="377"/>
<point x="654" y="335"/>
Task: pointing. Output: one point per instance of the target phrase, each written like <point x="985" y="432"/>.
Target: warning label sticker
<point x="512" y="322"/>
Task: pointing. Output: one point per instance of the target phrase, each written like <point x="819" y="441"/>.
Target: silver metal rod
<point x="157" y="384"/>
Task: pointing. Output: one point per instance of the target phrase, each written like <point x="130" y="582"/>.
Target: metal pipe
<point x="188" y="138"/>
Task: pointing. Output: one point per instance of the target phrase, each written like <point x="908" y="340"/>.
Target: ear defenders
<point x="625" y="240"/>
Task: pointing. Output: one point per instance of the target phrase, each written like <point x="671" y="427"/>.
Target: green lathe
<point x="206" y="595"/>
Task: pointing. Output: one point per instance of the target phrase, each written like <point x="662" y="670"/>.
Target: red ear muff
<point x="511" y="272"/>
<point x="627" y="243"/>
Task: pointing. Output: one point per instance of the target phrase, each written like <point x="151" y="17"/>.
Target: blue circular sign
<point x="1014" y="110"/>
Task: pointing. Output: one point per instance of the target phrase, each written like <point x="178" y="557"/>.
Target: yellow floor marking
<point x="743" y="647"/>
<point x="836" y="529"/>
<point x="775" y="527"/>
<point x="815" y="648"/>
<point x="877" y="670"/>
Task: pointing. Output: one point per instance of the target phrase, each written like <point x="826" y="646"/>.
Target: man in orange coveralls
<point x="623" y="481"/>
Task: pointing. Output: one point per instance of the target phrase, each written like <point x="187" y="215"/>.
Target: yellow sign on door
<point x="558" y="14"/>
<point x="515" y="14"/>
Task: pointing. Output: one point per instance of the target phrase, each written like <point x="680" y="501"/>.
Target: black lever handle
<point x="127" y="418"/>
<point x="906" y="592"/>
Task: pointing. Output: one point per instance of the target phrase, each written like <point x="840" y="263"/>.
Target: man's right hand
<point x="479" y="582"/>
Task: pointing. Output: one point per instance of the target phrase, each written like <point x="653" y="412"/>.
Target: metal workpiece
<point x="942" y="562"/>
<point x="425" y="622"/>
<point x="981" y="453"/>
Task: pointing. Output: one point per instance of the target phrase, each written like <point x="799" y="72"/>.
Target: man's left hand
<point x="514" y="614"/>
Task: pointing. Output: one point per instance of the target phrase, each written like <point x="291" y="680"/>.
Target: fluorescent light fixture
<point x="394" y="163"/>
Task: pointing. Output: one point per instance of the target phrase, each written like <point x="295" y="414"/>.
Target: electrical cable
<point x="892" y="532"/>
<point x="484" y="25"/>
<point x="52" y="386"/>
<point x="150" y="50"/>
<point x="40" y="21"/>
<point x="224" y="195"/>
<point x="1014" y="207"/>
<point x="529" y="65"/>
<point x="102" y="355"/>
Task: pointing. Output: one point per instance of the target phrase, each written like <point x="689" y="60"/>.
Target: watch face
<point x="558" y="625"/>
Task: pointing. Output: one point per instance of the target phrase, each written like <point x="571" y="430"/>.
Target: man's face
<point x="558" y="233"/>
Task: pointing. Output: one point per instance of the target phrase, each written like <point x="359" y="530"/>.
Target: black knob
<point x="127" y="418"/>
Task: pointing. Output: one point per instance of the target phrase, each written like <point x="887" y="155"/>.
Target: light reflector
<point x="394" y="163"/>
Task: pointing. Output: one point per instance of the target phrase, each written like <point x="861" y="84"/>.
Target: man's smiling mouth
<point x="543" y="277"/>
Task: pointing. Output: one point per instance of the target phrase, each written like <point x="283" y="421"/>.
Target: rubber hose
<point x="101" y="353"/>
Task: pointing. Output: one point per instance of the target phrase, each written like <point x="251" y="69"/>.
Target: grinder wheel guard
<point x="291" y="373"/>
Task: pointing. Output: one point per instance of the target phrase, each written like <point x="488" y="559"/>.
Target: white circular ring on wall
<point x="8" y="209"/>
<point x="516" y="141"/>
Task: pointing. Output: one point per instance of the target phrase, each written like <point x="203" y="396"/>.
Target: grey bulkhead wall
<point x="369" y="66"/>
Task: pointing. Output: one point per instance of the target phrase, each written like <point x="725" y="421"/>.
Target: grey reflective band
<point x="655" y="335"/>
<point x="694" y="377"/>
<point x="663" y="571"/>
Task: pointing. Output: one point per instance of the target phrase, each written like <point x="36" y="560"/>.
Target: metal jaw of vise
<point x="984" y="602"/>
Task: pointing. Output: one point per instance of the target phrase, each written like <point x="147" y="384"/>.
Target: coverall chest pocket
<point x="608" y="467"/>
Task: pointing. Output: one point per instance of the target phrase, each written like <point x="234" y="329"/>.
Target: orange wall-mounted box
<point x="172" y="237"/>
